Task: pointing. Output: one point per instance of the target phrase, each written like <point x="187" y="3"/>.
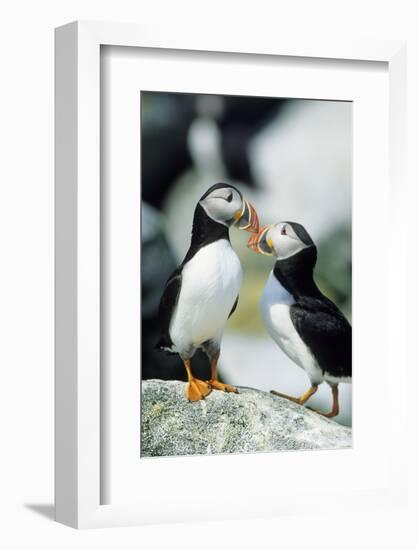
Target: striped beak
<point x="247" y="218"/>
<point x="260" y="242"/>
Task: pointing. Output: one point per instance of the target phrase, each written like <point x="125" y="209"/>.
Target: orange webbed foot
<point x="197" y="389"/>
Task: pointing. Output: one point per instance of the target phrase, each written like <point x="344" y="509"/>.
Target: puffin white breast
<point x="210" y="285"/>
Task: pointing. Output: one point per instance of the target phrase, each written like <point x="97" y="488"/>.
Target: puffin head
<point x="225" y="204"/>
<point x="283" y="240"/>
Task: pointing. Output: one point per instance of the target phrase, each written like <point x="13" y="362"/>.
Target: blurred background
<point x="292" y="158"/>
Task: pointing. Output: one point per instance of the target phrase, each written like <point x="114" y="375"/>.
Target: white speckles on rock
<point x="251" y="421"/>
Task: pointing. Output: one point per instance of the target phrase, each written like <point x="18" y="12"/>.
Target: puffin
<point x="202" y="293"/>
<point x="307" y="326"/>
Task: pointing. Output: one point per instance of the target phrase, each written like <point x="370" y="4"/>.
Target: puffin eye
<point x="284" y="230"/>
<point x="229" y="198"/>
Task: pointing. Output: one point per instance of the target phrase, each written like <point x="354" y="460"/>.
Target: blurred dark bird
<point x="203" y="292"/>
<point x="166" y="120"/>
<point x="306" y="325"/>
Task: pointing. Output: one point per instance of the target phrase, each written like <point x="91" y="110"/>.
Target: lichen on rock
<point x="250" y="421"/>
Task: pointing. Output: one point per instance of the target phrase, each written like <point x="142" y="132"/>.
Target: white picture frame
<point x="78" y="426"/>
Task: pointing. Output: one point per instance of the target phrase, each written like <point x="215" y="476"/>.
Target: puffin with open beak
<point x="203" y="292"/>
<point x="307" y="326"/>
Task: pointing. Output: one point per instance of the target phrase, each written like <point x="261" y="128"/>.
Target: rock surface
<point x="251" y="421"/>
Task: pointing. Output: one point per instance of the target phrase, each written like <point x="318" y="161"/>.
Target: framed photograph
<point x="225" y="208"/>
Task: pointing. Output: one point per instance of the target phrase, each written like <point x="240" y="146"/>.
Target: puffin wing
<point x="167" y="306"/>
<point x="327" y="334"/>
<point x="234" y="307"/>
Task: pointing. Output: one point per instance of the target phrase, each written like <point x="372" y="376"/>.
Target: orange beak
<point x="247" y="219"/>
<point x="260" y="243"/>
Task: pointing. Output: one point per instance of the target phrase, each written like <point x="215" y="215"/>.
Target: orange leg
<point x="214" y="383"/>
<point x="196" y="389"/>
<point x="335" y="406"/>
<point x="300" y="400"/>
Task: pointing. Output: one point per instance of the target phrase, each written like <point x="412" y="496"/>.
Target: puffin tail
<point x="165" y="344"/>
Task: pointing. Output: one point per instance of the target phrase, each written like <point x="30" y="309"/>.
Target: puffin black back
<point x="205" y="230"/>
<point x="296" y="273"/>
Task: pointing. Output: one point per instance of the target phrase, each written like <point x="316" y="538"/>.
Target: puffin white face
<point x="283" y="240"/>
<point x="225" y="204"/>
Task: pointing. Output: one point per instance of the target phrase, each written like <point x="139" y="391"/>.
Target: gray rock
<point x="251" y="421"/>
